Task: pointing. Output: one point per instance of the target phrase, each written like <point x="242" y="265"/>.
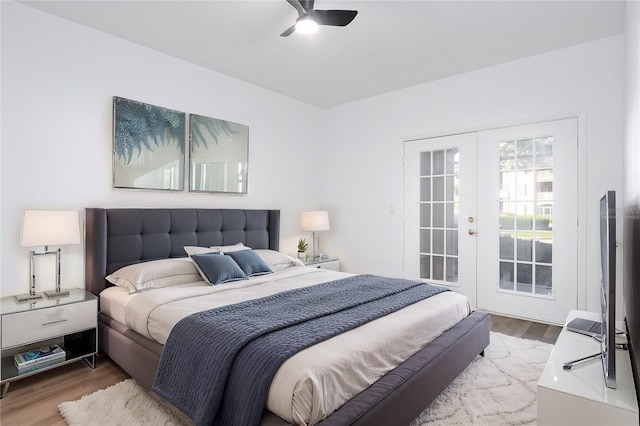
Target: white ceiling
<point x="390" y="44"/>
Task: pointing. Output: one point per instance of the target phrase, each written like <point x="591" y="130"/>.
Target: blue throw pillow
<point x="217" y="268"/>
<point x="250" y="262"/>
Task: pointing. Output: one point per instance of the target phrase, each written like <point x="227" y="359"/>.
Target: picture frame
<point x="148" y="146"/>
<point x="218" y="155"/>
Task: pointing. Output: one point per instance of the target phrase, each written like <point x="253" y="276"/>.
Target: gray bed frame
<point x="119" y="237"/>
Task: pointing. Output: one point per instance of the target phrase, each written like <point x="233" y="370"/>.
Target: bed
<point x="119" y="237"/>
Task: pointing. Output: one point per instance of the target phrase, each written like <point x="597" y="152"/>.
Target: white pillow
<point x="191" y="250"/>
<point x="233" y="247"/>
<point x="276" y="260"/>
<point x="155" y="274"/>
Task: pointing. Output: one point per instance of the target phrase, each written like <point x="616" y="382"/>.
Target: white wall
<point x="363" y="147"/>
<point x="58" y="80"/>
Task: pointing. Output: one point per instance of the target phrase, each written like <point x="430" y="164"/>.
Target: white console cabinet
<point x="579" y="396"/>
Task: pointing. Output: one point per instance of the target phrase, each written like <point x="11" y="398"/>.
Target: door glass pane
<point x="452" y="269"/>
<point x="425" y="241"/>
<point x="524" y="246"/>
<point x="425" y="215"/>
<point x="543" y="280"/>
<point x="506" y="246"/>
<point x="439" y="189"/>
<point x="452" y="161"/>
<point x="425" y="163"/>
<point x="425" y="267"/>
<point x="452" y="242"/>
<point x="438" y="163"/>
<point x="524" y="272"/>
<point x="438" y="268"/>
<point x="425" y="189"/>
<point x="544" y="152"/>
<point x="451" y="214"/>
<point x="506" y="275"/>
<point x="438" y="241"/>
<point x="438" y="215"/>
<point x="449" y="188"/>
<point x="526" y="215"/>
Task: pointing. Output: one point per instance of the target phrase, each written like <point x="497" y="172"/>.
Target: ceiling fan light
<point x="306" y="25"/>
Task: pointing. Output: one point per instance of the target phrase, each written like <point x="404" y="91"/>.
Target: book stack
<point x="40" y="358"/>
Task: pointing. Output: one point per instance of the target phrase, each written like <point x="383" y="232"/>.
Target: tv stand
<point x="578" y="396"/>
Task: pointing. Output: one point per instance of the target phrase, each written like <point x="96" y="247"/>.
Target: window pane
<point x="544" y="185"/>
<point x="526" y="187"/>
<point x="456" y="188"/>
<point x="524" y="246"/>
<point x="425" y="241"/>
<point x="524" y="220"/>
<point x="506" y="275"/>
<point x="452" y="242"/>
<point x="544" y="218"/>
<point x="544" y="152"/>
<point x="425" y="163"/>
<point x="438" y="268"/>
<point x="438" y="215"/>
<point x="438" y="188"/>
<point x="507" y="150"/>
<point x="425" y="215"/>
<point x="525" y="277"/>
<point x="438" y="162"/>
<point x="543" y="280"/>
<point x="524" y="154"/>
<point x="452" y="161"/>
<point x="452" y="269"/>
<point x="508" y="185"/>
<point x="544" y="251"/>
<point x="450" y="188"/>
<point x="452" y="215"/>
<point x="425" y="267"/>
<point x="425" y="189"/>
<point x="438" y="241"/>
<point x="506" y="246"/>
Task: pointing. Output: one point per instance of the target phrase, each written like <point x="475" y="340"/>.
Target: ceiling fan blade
<point x="298" y="6"/>
<point x="307" y="4"/>
<point x="338" y="18"/>
<point x="288" y="31"/>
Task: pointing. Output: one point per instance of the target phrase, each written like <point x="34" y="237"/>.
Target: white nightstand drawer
<point x="30" y="326"/>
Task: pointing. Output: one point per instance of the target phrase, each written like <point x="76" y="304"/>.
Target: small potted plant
<point x="302" y="248"/>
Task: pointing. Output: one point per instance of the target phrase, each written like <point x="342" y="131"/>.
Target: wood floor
<point x="34" y="400"/>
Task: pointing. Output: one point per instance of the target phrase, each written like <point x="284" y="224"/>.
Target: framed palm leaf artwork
<point x="148" y="146"/>
<point x="218" y="155"/>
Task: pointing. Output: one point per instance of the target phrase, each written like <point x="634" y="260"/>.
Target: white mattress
<point x="316" y="381"/>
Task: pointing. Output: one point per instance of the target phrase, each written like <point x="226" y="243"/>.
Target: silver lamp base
<point x="56" y="293"/>
<point x="21" y="298"/>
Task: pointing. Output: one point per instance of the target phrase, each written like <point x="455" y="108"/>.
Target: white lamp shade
<point x="49" y="228"/>
<point x="315" y="221"/>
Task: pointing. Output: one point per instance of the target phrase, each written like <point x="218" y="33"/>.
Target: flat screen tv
<point x="608" y="292"/>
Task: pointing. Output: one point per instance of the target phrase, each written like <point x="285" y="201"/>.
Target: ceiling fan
<point x="309" y="19"/>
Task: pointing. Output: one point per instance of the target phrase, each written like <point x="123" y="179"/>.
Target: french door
<point x="493" y="215"/>
<point x="440" y="206"/>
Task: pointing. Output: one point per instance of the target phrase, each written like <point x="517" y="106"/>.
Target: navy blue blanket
<point x="217" y="365"/>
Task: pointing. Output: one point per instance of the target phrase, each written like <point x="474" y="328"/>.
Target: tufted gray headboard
<point x="120" y="237"/>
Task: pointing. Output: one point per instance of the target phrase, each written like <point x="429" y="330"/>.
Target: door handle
<point x="472" y="232"/>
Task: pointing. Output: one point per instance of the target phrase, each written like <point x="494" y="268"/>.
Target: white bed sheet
<point x="316" y="381"/>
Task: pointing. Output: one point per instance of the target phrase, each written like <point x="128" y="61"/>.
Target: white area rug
<point x="497" y="389"/>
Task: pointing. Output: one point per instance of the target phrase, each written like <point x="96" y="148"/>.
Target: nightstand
<point x="70" y="322"/>
<point x="323" y="262"/>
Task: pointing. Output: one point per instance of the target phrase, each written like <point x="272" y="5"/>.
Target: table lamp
<point x="315" y="221"/>
<point x="44" y="228"/>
